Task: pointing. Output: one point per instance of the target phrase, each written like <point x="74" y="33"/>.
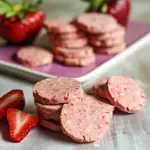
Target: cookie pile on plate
<point x="69" y="43"/>
<point x="104" y="33"/>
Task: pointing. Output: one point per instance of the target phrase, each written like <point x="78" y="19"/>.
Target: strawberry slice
<point x="20" y="124"/>
<point x="14" y="98"/>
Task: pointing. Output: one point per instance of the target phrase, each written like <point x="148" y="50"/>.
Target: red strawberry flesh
<point x="20" y="124"/>
<point x="14" y="98"/>
<point x="120" y="10"/>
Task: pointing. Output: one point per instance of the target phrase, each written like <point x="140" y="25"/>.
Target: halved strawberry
<point x="20" y="124"/>
<point x="14" y="98"/>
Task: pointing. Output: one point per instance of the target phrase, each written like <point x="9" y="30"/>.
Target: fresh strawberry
<point x="20" y="23"/>
<point x="20" y="124"/>
<point x="14" y="98"/>
<point x="119" y="9"/>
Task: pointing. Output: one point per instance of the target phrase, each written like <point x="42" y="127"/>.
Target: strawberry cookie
<point x="125" y="94"/>
<point x="68" y="36"/>
<point x="99" y="87"/>
<point x="33" y="56"/>
<point x="60" y="26"/>
<point x="73" y="43"/>
<point x="50" y="109"/>
<point x="74" y="52"/>
<point x="117" y="33"/>
<point x="52" y="125"/>
<point x="96" y="23"/>
<point x="111" y="50"/>
<point x="83" y="61"/>
<point x="56" y="90"/>
<point x="85" y="120"/>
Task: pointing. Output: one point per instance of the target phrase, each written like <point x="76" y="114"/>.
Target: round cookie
<point x="70" y="36"/>
<point x="56" y="90"/>
<point x="84" y="61"/>
<point x="34" y="56"/>
<point x="106" y="106"/>
<point x="74" y="52"/>
<point x="125" y="94"/>
<point x="60" y="25"/>
<point x="107" y="43"/>
<point x="110" y="50"/>
<point x="52" y="125"/>
<point x="85" y="119"/>
<point x="117" y="33"/>
<point x="96" y="23"/>
<point x="99" y="87"/>
<point x="47" y="116"/>
<point x="74" y="43"/>
<point x="49" y="109"/>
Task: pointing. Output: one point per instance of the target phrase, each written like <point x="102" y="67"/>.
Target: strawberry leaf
<point x="5" y="5"/>
<point x="89" y="8"/>
<point x="104" y="8"/>
<point x="3" y="11"/>
<point x="33" y="8"/>
<point x="10" y="14"/>
<point x="21" y="14"/>
<point x="96" y="3"/>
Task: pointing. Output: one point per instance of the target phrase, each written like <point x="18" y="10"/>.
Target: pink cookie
<point x="56" y="90"/>
<point x="125" y="94"/>
<point x="74" y="43"/>
<point x="48" y="108"/>
<point x="60" y="25"/>
<point x="47" y="116"/>
<point x="99" y="87"/>
<point x="96" y="23"/>
<point x="107" y="43"/>
<point x="85" y="120"/>
<point x="33" y="56"/>
<point x="117" y="33"/>
<point x="110" y="50"/>
<point x="83" y="61"/>
<point x="66" y="36"/>
<point x="74" y="52"/>
<point x="52" y="125"/>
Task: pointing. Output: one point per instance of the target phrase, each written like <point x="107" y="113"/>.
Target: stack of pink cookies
<point x="69" y="43"/>
<point x="63" y="106"/>
<point x="104" y="33"/>
<point x="50" y="95"/>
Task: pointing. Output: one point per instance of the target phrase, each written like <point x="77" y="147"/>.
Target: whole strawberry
<point x="20" y="23"/>
<point x="119" y="9"/>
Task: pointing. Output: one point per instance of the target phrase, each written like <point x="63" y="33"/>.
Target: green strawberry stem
<point x="10" y="9"/>
<point x="97" y="5"/>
